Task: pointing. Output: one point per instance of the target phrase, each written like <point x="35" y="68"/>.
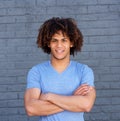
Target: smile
<point x="59" y="51"/>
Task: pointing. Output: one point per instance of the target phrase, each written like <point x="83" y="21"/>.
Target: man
<point x="60" y="89"/>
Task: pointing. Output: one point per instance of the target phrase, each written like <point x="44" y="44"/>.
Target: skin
<point x="82" y="100"/>
<point x="60" y="51"/>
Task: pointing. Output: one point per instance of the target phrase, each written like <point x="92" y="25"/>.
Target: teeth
<point x="59" y="51"/>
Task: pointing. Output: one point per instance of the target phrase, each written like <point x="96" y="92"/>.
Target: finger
<point x="81" y="88"/>
<point x="82" y="91"/>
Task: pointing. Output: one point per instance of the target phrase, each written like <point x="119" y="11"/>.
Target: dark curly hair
<point x="68" y="27"/>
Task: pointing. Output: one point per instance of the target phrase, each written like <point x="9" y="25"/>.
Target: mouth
<point x="59" y="51"/>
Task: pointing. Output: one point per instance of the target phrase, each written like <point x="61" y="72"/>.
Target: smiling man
<point x="60" y="89"/>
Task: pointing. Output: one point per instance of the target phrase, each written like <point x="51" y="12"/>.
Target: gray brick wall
<point x="99" y="20"/>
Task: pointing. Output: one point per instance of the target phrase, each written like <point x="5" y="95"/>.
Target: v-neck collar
<point x="59" y="73"/>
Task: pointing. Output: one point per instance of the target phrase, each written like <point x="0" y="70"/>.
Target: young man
<point x="60" y="89"/>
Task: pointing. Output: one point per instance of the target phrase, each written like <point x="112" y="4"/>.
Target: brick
<point x="98" y="9"/>
<point x="17" y="72"/>
<point x="2" y="29"/>
<point x="25" y="3"/>
<point x="101" y="47"/>
<point x="115" y="55"/>
<point x="3" y="118"/>
<point x="46" y="3"/>
<point x="107" y="16"/>
<point x="112" y="62"/>
<point x="15" y="103"/>
<point x="103" y="101"/>
<point x="86" y="17"/>
<point x="76" y="2"/>
<point x="21" y="111"/>
<point x="98" y="55"/>
<point x="9" y="34"/>
<point x="7" y="80"/>
<point x="99" y="24"/>
<point x="114" y="8"/>
<point x="103" y="85"/>
<point x="6" y="111"/>
<point x="114" y="70"/>
<point x="109" y="77"/>
<point x="3" y="88"/>
<point x="7" y="3"/>
<point x="6" y="19"/>
<point x="33" y="118"/>
<point x="7" y="65"/>
<point x="97" y="116"/>
<point x="114" y="39"/>
<point x="16" y="27"/>
<point x="16" y="42"/>
<point x="101" y="32"/>
<point x="3" y="103"/>
<point x="109" y="2"/>
<point x="17" y="118"/>
<point x="16" y="11"/>
<point x="36" y="10"/>
<point x="116" y="116"/>
<point x="32" y="26"/>
<point x="108" y="93"/>
<point x="25" y="34"/>
<point x="115" y="100"/>
<point x="8" y="95"/>
<point x="21" y="95"/>
<point x="16" y="87"/>
<point x="67" y="10"/>
<point x="102" y="70"/>
<point x="20" y="19"/>
<point x="3" y="12"/>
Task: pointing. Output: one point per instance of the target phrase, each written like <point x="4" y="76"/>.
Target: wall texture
<point x="99" y="21"/>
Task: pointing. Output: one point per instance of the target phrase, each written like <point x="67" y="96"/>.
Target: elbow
<point x="29" y="114"/>
<point x="87" y="107"/>
<point x="29" y="111"/>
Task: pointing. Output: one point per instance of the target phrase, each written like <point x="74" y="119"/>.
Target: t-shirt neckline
<point x="59" y="73"/>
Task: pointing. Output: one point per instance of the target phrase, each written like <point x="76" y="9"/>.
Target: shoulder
<point x="39" y="67"/>
<point x="81" y="67"/>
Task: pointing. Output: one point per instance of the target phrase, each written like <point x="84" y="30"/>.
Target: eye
<point x="53" y="40"/>
<point x="64" y="40"/>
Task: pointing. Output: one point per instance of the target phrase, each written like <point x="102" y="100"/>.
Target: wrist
<point x="49" y="96"/>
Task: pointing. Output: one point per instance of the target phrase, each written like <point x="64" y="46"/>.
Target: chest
<point x="64" y="84"/>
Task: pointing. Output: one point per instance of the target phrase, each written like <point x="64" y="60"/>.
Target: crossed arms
<point x="38" y="104"/>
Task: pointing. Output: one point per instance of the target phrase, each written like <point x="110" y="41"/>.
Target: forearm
<point x="74" y="103"/>
<point x="71" y="103"/>
<point x="42" y="108"/>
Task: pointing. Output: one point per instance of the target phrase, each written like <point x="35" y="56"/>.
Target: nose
<point x="59" y="44"/>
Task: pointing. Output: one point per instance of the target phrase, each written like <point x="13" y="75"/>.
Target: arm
<point x="36" y="107"/>
<point x="74" y="103"/>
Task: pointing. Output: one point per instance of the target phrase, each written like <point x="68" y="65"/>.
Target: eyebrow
<point x="57" y="39"/>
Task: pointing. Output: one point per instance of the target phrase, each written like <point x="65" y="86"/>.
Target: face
<point x="60" y="46"/>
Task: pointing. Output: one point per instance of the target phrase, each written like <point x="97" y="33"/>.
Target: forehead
<point x="60" y="33"/>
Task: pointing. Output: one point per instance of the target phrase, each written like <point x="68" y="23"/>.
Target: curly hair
<point x="68" y="27"/>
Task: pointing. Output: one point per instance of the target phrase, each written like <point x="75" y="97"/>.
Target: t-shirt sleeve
<point x="87" y="76"/>
<point x="33" y="78"/>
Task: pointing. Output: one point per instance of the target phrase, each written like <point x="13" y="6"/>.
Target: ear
<point x="48" y="44"/>
<point x="71" y="45"/>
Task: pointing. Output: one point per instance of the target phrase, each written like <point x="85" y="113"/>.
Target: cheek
<point x="68" y="46"/>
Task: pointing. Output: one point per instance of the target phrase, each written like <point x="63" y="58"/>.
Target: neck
<point x="60" y="65"/>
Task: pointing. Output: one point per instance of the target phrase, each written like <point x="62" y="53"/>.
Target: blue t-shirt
<point x="47" y="79"/>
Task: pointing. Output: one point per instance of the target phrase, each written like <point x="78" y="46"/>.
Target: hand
<point x="82" y="90"/>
